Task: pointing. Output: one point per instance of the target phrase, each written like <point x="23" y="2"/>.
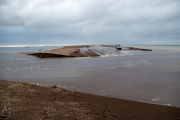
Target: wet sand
<point x="132" y="48"/>
<point x="26" y="101"/>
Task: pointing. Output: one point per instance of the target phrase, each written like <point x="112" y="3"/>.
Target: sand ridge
<point x="68" y="51"/>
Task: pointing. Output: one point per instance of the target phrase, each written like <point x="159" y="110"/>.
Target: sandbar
<point x="79" y="51"/>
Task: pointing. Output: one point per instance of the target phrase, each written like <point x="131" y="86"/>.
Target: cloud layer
<point x="90" y="21"/>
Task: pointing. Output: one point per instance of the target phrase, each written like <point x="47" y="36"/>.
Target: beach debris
<point x="2" y="115"/>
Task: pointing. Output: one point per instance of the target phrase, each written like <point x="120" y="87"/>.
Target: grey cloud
<point x="134" y="21"/>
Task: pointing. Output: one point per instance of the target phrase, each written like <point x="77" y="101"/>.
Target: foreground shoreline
<point x="26" y="101"/>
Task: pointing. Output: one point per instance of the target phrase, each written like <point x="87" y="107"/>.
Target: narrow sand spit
<point x="67" y="51"/>
<point x="22" y="101"/>
<point x="79" y="51"/>
<point x="132" y="48"/>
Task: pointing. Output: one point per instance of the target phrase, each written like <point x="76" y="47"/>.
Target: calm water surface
<point x="151" y="77"/>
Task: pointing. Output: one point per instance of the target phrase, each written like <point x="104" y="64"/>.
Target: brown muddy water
<point x="145" y="76"/>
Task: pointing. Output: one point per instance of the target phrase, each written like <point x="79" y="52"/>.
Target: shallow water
<point x="151" y="77"/>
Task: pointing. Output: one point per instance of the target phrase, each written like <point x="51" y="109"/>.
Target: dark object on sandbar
<point x="40" y="50"/>
<point x="118" y="47"/>
<point x="54" y="86"/>
<point x="2" y="116"/>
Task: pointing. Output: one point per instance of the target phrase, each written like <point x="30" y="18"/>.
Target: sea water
<point x="145" y="76"/>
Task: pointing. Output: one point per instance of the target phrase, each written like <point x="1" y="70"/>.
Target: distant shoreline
<point x="8" y="46"/>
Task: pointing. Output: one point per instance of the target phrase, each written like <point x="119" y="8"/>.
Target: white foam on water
<point x="36" y="45"/>
<point x="168" y="104"/>
<point x="155" y="99"/>
<point x="28" y="45"/>
<point x="105" y="55"/>
<point x="64" y="87"/>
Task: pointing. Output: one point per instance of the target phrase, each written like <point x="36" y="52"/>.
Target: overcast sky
<point x="53" y="22"/>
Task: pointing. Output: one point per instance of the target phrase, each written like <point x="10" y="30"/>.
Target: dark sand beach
<point x="20" y="101"/>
